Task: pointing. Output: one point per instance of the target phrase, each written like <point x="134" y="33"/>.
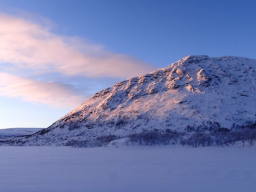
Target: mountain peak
<point x="195" y="57"/>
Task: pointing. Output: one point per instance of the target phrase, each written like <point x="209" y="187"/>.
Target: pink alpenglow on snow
<point x="196" y="100"/>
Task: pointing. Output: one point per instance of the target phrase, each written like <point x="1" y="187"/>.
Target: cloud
<point x="55" y="94"/>
<point x="29" y="45"/>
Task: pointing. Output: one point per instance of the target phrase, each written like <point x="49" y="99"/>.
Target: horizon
<point x="51" y="61"/>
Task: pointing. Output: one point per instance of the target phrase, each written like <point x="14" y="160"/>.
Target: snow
<point x="196" y="91"/>
<point x="115" y="169"/>
<point x="14" y="132"/>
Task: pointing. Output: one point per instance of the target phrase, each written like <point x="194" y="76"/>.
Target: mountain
<point x="17" y="132"/>
<point x="198" y="100"/>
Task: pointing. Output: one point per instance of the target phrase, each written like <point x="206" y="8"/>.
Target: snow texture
<point x="196" y="93"/>
<point x="126" y="169"/>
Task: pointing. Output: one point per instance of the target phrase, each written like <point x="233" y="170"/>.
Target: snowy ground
<point x="126" y="169"/>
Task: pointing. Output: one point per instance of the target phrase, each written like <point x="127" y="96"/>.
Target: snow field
<point x="137" y="168"/>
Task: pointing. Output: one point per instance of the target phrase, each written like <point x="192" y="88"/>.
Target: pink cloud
<point x="35" y="91"/>
<point x="27" y="44"/>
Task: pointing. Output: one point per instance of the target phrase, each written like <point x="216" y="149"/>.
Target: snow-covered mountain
<point x="196" y="97"/>
<point x="17" y="132"/>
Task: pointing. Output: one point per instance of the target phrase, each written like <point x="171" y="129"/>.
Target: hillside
<point x="198" y="100"/>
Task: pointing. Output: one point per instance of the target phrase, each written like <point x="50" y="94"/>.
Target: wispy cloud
<point x="55" y="94"/>
<point x="28" y="45"/>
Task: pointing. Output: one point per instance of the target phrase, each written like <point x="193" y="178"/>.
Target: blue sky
<point x="55" y="54"/>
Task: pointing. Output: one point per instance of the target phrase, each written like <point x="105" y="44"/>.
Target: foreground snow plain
<point x="127" y="168"/>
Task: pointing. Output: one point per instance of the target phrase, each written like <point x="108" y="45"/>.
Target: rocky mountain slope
<point x="195" y="98"/>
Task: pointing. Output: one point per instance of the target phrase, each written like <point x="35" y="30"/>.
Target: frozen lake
<point x="126" y="169"/>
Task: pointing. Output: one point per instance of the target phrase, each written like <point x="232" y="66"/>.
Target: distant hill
<point x="17" y="132"/>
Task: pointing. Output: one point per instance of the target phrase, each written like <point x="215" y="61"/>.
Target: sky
<point x="56" y="54"/>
